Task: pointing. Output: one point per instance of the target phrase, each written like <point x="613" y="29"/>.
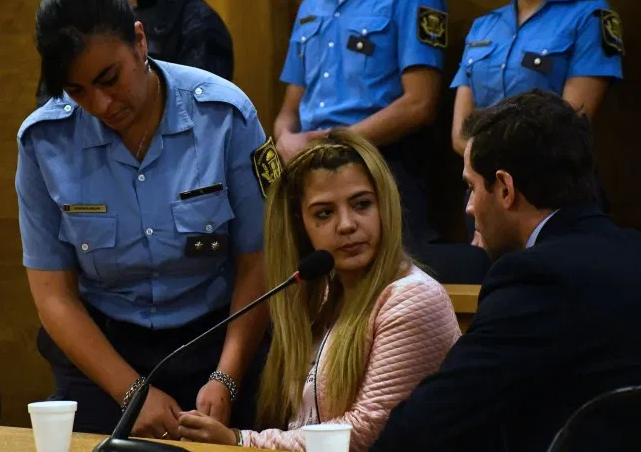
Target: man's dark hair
<point x="543" y="143"/>
<point x="62" y="29"/>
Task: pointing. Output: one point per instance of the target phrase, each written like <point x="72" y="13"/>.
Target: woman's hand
<point x="196" y="426"/>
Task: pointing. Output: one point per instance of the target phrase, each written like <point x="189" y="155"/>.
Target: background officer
<point x="373" y="66"/>
<point x="570" y="47"/>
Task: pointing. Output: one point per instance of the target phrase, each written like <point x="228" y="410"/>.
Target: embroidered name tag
<point x="85" y="208"/>
<point x="307" y="19"/>
<point x="484" y="43"/>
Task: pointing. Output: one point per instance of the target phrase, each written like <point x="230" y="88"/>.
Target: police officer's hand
<point x="159" y="417"/>
<point x="214" y="400"/>
<point x="290" y="144"/>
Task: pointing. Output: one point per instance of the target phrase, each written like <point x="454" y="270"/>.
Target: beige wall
<point x="260" y="29"/>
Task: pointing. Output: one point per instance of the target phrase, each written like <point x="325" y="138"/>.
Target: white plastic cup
<point x="52" y="424"/>
<point x="327" y="437"/>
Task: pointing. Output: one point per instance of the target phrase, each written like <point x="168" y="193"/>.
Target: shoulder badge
<point x="432" y="26"/>
<point x="612" y="31"/>
<point x="267" y="166"/>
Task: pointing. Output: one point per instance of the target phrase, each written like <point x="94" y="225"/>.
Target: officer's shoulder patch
<point x="267" y="166"/>
<point x="611" y="31"/>
<point x="432" y="26"/>
<point x="52" y="111"/>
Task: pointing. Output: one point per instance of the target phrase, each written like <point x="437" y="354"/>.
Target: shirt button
<point x="359" y="46"/>
<point x="503" y="66"/>
<point x="514" y="38"/>
<point x="149" y="231"/>
<point x="364" y="31"/>
<point x="198" y="91"/>
<point x="326" y="74"/>
<point x="84" y="247"/>
<point x="304" y="38"/>
<point x="153" y="310"/>
<point x="470" y="61"/>
<point x="67" y="108"/>
<point x="337" y="14"/>
<point x="331" y="44"/>
<point x="322" y="104"/>
<point x="141" y="177"/>
<point x="209" y="228"/>
<point x="537" y="61"/>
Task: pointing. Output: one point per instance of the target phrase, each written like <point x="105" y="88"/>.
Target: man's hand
<point x="196" y="426"/>
<point x="289" y="144"/>
<point x="214" y="400"/>
<point x="159" y="415"/>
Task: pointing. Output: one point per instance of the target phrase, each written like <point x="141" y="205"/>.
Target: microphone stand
<point x="119" y="440"/>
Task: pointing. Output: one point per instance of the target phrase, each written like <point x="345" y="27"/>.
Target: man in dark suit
<point x="558" y="316"/>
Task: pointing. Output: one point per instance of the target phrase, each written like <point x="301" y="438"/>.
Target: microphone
<point x="563" y="436"/>
<point x="317" y="264"/>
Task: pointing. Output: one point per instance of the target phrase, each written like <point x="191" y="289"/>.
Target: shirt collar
<point x="175" y="118"/>
<point x="531" y="241"/>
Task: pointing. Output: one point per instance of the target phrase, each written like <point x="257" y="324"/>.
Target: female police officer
<point x="139" y="189"/>
<point x="570" y="47"/>
<point x="373" y="66"/>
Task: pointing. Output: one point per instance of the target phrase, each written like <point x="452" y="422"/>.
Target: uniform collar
<point x="175" y="118"/>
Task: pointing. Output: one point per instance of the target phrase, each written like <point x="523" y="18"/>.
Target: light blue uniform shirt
<point x="131" y="260"/>
<point x="343" y="86"/>
<point x="563" y="39"/>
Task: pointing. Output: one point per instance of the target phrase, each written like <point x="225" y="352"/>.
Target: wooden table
<point x="464" y="297"/>
<point x="21" y="440"/>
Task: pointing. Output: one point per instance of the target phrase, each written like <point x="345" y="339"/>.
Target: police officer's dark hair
<point x="543" y="143"/>
<point x="62" y="29"/>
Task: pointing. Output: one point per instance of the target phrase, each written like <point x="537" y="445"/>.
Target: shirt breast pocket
<point x="206" y="218"/>
<point x="370" y="46"/>
<point x="545" y="63"/>
<point x="306" y="42"/>
<point x="483" y="74"/>
<point x="94" y="238"/>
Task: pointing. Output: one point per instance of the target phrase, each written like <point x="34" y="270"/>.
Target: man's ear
<point x="504" y="189"/>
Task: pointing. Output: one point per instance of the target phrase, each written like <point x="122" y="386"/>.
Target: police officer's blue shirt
<point x="563" y="39"/>
<point x="87" y="204"/>
<point x="350" y="55"/>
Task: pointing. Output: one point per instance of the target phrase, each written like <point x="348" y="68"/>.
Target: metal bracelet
<point x="227" y="381"/>
<point x="239" y="437"/>
<point x="131" y="391"/>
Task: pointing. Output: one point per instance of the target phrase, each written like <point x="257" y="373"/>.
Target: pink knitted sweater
<point x="411" y="328"/>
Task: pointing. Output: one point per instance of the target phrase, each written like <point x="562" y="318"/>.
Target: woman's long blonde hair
<point x="295" y="311"/>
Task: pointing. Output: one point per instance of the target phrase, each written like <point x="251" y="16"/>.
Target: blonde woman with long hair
<point x="347" y="349"/>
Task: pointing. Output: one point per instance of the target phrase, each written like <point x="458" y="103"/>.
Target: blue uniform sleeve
<point x="245" y="196"/>
<point x="461" y="78"/>
<point x="294" y="68"/>
<point x="422" y="33"/>
<point x="39" y="217"/>
<point x="589" y="58"/>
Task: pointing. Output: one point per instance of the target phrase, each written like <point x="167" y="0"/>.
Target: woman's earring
<point x="147" y="66"/>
